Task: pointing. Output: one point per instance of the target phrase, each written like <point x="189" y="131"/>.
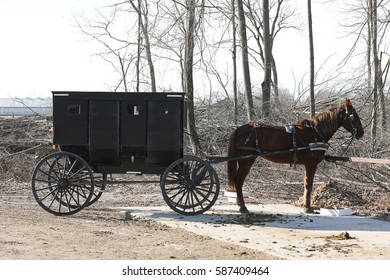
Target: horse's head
<point x="350" y="120"/>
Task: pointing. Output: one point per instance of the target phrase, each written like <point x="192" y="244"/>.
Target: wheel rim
<point x="99" y="187"/>
<point x="190" y="186"/>
<point x="62" y="183"/>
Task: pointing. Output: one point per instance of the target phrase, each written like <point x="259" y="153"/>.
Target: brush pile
<point x="22" y="141"/>
<point x="362" y="200"/>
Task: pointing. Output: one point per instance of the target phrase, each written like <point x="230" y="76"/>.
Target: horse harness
<point x="290" y="129"/>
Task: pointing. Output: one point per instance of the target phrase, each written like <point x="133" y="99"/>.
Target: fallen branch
<point x="25" y="151"/>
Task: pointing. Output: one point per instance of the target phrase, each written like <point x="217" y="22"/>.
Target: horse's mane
<point x="327" y="121"/>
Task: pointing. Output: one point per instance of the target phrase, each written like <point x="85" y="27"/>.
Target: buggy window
<point x="74" y="109"/>
<point x="134" y="110"/>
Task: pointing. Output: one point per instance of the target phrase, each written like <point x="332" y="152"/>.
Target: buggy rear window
<point x="74" y="109"/>
<point x="134" y="110"/>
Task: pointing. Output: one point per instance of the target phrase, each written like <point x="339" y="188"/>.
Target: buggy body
<point x="120" y="132"/>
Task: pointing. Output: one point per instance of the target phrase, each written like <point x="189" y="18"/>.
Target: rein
<point x="350" y="142"/>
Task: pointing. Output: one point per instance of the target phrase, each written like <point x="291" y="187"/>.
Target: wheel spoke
<point x="45" y="188"/>
<point x="178" y="187"/>
<point x="205" y="197"/>
<point x="53" y="199"/>
<point x="198" y="202"/>
<point x="186" y="200"/>
<point x="79" y="172"/>
<point x="71" y="191"/>
<point x="49" y="194"/>
<point x="44" y="172"/>
<point x="182" y="191"/>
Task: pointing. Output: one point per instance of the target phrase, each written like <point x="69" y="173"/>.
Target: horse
<point x="304" y="143"/>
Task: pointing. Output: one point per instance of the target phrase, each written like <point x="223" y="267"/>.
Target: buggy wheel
<point x="99" y="187"/>
<point x="190" y="186"/>
<point x="62" y="183"/>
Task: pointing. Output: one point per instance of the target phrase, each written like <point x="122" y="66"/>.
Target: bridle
<point x="349" y="116"/>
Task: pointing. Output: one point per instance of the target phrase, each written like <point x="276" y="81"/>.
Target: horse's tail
<point x="232" y="164"/>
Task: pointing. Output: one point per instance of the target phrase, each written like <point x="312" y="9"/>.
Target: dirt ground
<point x="98" y="232"/>
<point x="28" y="232"/>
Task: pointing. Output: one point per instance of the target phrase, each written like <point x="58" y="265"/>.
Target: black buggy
<point x="101" y="133"/>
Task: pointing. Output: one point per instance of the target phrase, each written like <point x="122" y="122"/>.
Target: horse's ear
<point x="347" y="103"/>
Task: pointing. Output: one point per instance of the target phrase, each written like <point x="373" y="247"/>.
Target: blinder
<point x="349" y="115"/>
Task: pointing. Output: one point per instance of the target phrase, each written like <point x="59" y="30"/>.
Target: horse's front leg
<point x="310" y="171"/>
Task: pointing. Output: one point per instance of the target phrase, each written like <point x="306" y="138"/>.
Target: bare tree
<point x="311" y="50"/>
<point x="188" y="74"/>
<point x="280" y="16"/>
<point x="143" y="21"/>
<point x="119" y="47"/>
<point x="369" y="22"/>
<point x="372" y="31"/>
<point x="245" y="60"/>
<point x="234" y="58"/>
<point x="374" y="58"/>
<point x="117" y="52"/>
<point x="266" y="85"/>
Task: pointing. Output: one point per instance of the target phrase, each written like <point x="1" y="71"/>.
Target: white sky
<point x="40" y="51"/>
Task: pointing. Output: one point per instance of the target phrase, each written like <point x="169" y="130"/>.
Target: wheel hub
<point x="190" y="185"/>
<point x="63" y="184"/>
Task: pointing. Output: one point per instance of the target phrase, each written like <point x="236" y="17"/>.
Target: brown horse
<point x="278" y="145"/>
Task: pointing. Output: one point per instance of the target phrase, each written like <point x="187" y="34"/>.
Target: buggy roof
<point x="104" y="95"/>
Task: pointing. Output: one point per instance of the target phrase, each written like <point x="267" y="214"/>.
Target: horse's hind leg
<point x="308" y="186"/>
<point x="242" y="172"/>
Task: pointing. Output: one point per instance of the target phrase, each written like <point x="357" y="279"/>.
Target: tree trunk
<point x="139" y="39"/>
<point x="188" y="76"/>
<point x="369" y="51"/>
<point x="275" y="82"/>
<point x="311" y="43"/>
<point x="381" y="94"/>
<point x="124" y="71"/>
<point x="245" y="61"/>
<point x="383" y="75"/>
<point x="266" y="85"/>
<point x="374" y="47"/>
<point x="149" y="59"/>
<point x="234" y="59"/>
<point x="145" y="32"/>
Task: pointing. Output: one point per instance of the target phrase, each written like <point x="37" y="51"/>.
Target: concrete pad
<point x="283" y="231"/>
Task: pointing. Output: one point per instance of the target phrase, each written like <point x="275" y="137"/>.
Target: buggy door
<point x="164" y="132"/>
<point x="104" y="132"/>
<point x="133" y="123"/>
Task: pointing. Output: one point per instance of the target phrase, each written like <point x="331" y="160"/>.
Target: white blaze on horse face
<point x="355" y="122"/>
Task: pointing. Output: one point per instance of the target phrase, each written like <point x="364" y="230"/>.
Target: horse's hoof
<point x="309" y="210"/>
<point x="244" y="210"/>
